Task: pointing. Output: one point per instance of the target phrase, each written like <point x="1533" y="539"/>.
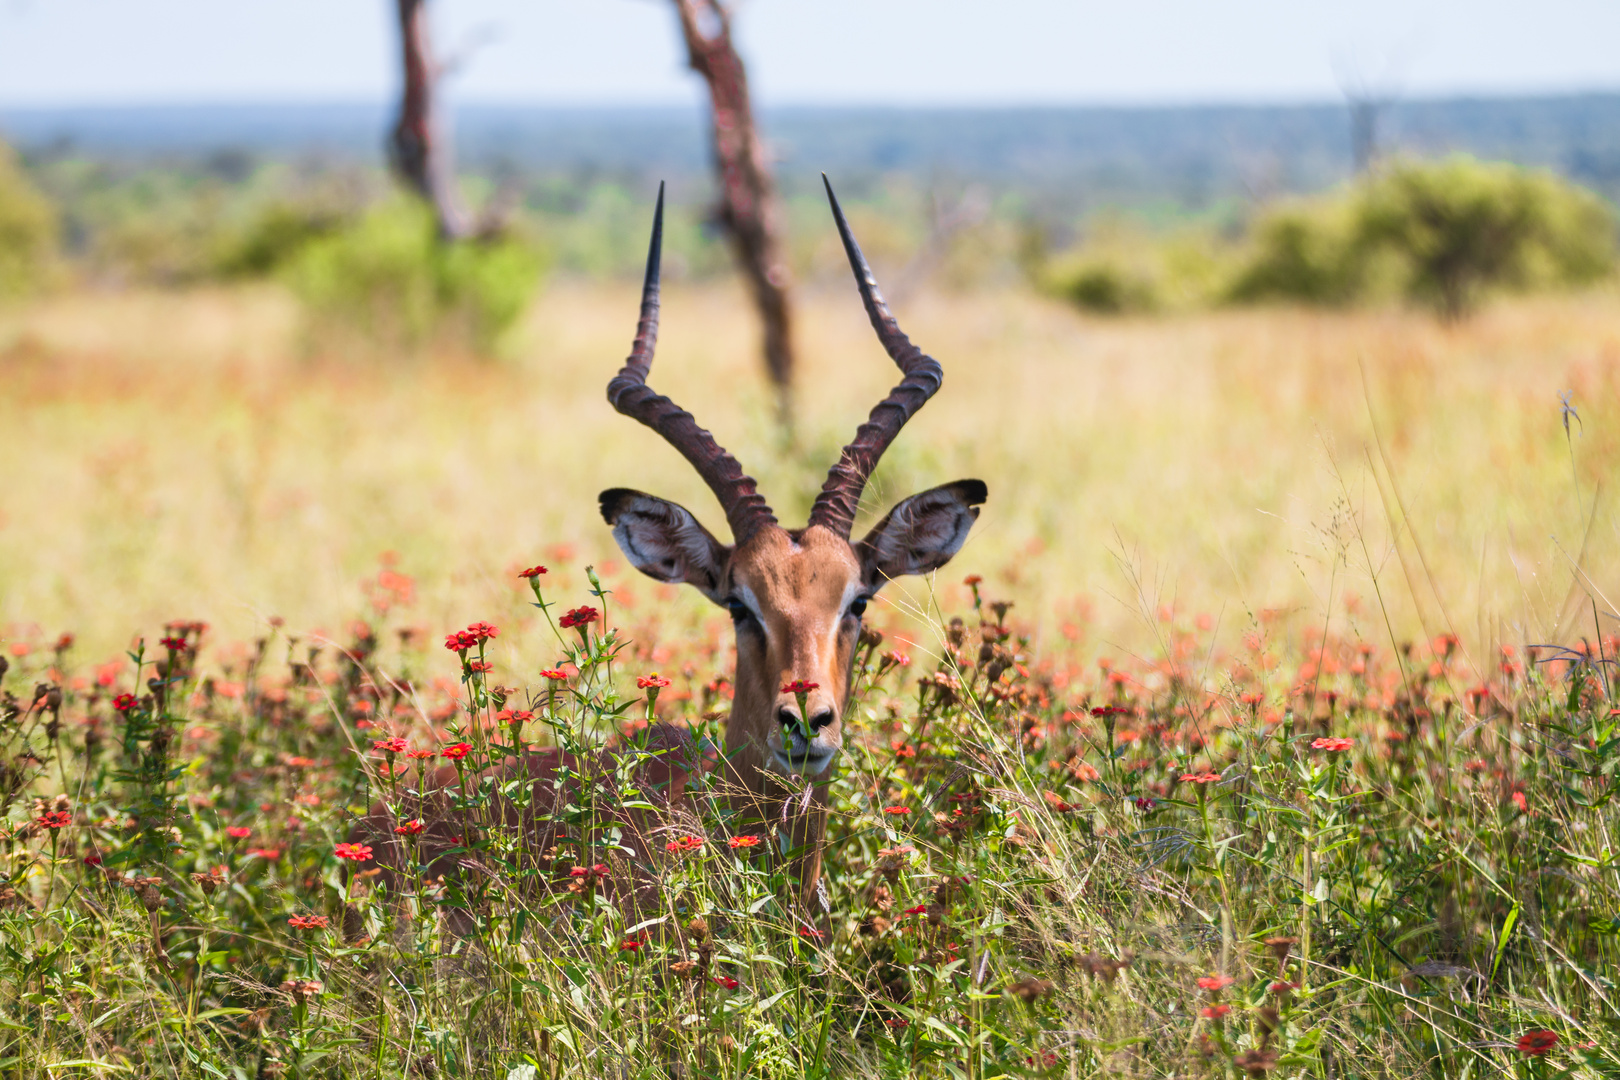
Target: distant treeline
<point x="1072" y="159"/>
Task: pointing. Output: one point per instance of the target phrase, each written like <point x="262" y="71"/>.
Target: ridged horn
<point x="746" y="510"/>
<point x="841" y="494"/>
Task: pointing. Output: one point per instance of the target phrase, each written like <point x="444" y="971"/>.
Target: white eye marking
<point x="746" y="595"/>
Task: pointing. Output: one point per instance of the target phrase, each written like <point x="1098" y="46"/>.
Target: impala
<point x="796" y="598"/>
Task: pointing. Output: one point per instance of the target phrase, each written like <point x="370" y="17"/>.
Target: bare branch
<point x="749" y="209"/>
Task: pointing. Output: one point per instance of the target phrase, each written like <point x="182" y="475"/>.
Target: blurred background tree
<point x="28" y="230"/>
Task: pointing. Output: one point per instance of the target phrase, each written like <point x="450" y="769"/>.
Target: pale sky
<point x="900" y="52"/>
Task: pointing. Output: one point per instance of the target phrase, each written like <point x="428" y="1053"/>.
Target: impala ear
<point x="922" y="533"/>
<point x="664" y="541"/>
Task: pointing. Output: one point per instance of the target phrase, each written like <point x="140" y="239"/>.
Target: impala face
<point x="796" y="596"/>
<point x="796" y="601"/>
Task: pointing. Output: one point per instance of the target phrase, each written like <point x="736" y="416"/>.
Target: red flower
<point x="684" y="844"/>
<point x="356" y="852"/>
<point x="307" y="922"/>
<point x="727" y="981"/>
<point x="514" y="716"/>
<point x="480" y="667"/>
<point x="580" y="616"/>
<point x="897" y="811"/>
<point x="270" y="853"/>
<point x="1280" y="987"/>
<point x="532" y="572"/>
<point x="239" y="832"/>
<point x="554" y="675"/>
<point x="413" y="827"/>
<point x="1201" y="778"/>
<point x="456" y="751"/>
<point x="1215" y="1012"/>
<point x="124" y="702"/>
<point x="1214" y="982"/>
<point x="742" y="842"/>
<point x="810" y="932"/>
<point x="483" y="631"/>
<point x="920" y="909"/>
<point x="1537" y="1042"/>
<point x="421" y="755"/>
<point x="55" y="819"/>
<point x="972" y="580"/>
<point x="654" y="681"/>
<point x="173" y="644"/>
<point x="92" y="859"/>
<point x="1333" y="746"/>
<point x="395" y="745"/>
<point x="460" y="641"/>
<point x="1521" y="802"/>
<point x="800" y="687"/>
<point x="629" y="945"/>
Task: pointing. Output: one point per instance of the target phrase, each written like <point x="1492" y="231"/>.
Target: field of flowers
<point x="1266" y="725"/>
<point x="1306" y="856"/>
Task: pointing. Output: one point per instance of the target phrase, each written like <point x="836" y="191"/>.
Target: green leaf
<point x="1501" y="942"/>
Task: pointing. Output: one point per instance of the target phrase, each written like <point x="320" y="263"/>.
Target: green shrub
<point x="1462" y="227"/>
<point x="1106" y="288"/>
<point x="28" y="229"/>
<point x="1302" y="253"/>
<point x="275" y="238"/>
<point x="387" y="276"/>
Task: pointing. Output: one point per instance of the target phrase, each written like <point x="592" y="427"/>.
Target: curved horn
<point x="745" y="509"/>
<point x="841" y="494"/>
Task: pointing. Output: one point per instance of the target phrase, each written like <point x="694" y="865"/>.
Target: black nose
<point x="786" y="717"/>
<point x="821" y="719"/>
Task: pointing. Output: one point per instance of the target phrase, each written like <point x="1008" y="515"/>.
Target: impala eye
<point x="739" y="610"/>
<point x="857" y="606"/>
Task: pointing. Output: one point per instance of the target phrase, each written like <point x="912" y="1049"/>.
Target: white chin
<point x="811" y="764"/>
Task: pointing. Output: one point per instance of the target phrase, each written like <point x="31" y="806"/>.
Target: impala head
<point x="796" y="596"/>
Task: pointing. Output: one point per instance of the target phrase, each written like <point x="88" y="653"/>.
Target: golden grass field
<point x="190" y="454"/>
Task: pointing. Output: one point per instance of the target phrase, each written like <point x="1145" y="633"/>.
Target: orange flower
<point x="554" y="675"/>
<point x="307" y="922"/>
<point x="395" y="745"/>
<point x="1214" y="982"/>
<point x="532" y="572"/>
<point x="897" y="811"/>
<point x="413" y="827"/>
<point x="742" y="842"/>
<point x="654" y="681"/>
<point x="355" y="852"/>
<point x="1333" y="746"/>
<point x="684" y="844"/>
<point x="1201" y="778"/>
<point x="239" y="832"/>
<point x="1215" y="1012"/>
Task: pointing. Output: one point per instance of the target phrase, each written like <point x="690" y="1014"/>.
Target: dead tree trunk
<point x="419" y="149"/>
<point x="749" y="209"/>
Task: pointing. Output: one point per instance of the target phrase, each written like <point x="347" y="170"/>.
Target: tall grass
<point x="1289" y="661"/>
<point x="1311" y="856"/>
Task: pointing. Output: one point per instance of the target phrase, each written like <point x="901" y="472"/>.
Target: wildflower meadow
<point x="1311" y="855"/>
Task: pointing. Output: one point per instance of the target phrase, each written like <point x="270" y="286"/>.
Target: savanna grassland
<point x="1277" y="736"/>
